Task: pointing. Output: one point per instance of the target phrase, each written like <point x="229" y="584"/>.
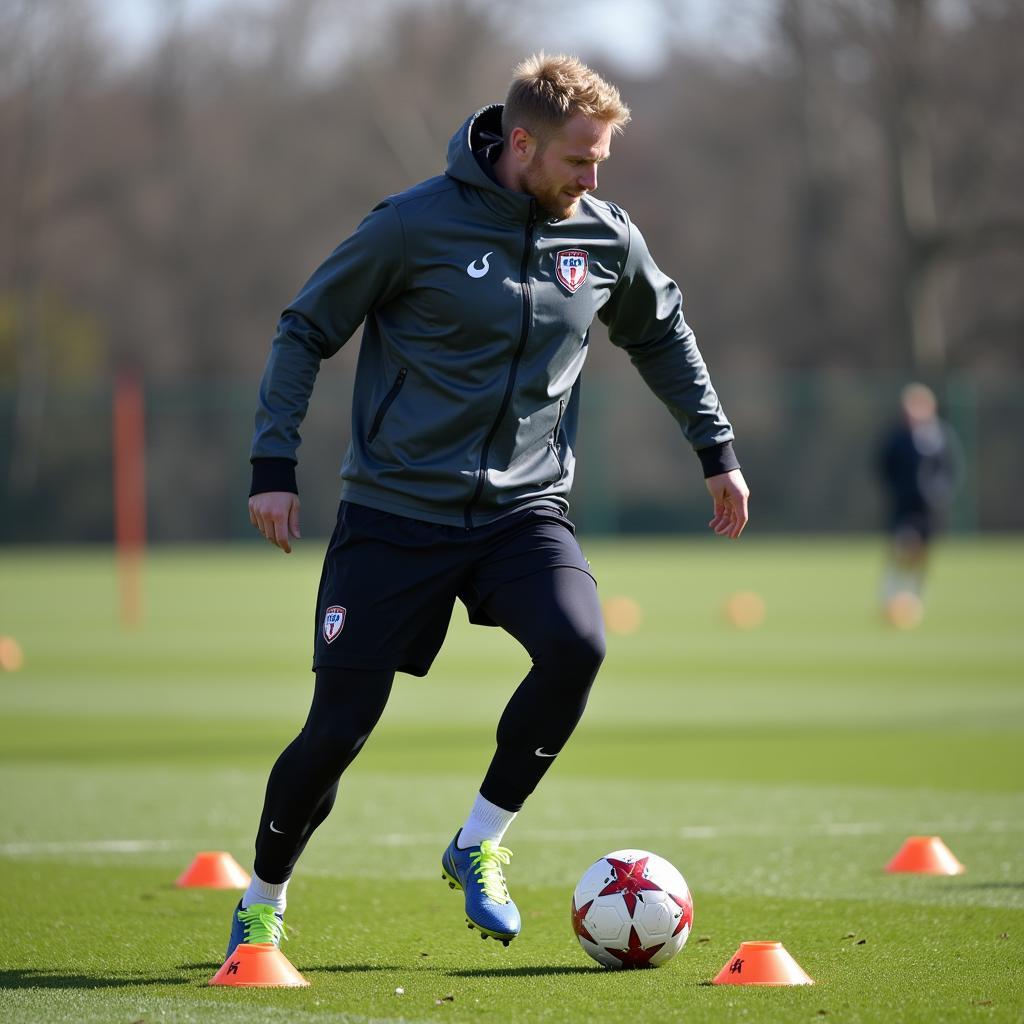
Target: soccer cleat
<point x="477" y="872"/>
<point x="255" y="924"/>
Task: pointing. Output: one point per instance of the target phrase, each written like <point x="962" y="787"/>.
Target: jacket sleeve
<point x="365" y="271"/>
<point x="644" y="315"/>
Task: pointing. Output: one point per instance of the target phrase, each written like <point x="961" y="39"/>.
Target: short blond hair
<point x="548" y="91"/>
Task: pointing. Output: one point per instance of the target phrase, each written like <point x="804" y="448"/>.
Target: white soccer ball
<point x="632" y="909"/>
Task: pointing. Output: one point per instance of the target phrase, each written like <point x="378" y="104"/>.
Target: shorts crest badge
<point x="334" y="622"/>
<point x="571" y="269"/>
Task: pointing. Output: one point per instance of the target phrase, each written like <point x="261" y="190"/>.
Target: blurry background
<point x="836" y="185"/>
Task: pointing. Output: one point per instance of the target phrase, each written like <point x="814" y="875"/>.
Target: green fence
<point x="807" y="443"/>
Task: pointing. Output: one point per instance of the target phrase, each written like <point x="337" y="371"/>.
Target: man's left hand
<point x="730" y="493"/>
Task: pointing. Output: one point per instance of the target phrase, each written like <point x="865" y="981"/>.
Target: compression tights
<point x="555" y="615"/>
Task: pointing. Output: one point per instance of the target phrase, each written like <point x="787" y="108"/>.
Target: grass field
<point x="778" y="768"/>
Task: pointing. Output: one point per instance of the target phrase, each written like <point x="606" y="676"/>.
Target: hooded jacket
<point x="477" y="315"/>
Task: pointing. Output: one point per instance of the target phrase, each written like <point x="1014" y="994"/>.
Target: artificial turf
<point x="778" y="768"/>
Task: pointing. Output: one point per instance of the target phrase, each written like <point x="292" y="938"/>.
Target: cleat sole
<point x="486" y="933"/>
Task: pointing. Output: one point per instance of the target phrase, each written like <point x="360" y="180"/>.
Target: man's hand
<point x="276" y="515"/>
<point x="730" y="493"/>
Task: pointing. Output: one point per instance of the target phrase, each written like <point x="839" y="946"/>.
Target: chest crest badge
<point x="571" y="269"/>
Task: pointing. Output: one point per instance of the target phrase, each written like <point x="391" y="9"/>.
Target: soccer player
<point x="477" y="290"/>
<point x="919" y="465"/>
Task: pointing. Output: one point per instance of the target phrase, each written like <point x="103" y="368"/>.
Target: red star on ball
<point x="629" y="880"/>
<point x="686" y="917"/>
<point x="636" y="955"/>
<point x="577" y="920"/>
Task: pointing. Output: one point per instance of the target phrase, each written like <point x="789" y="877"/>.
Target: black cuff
<point x="719" y="458"/>
<point x="273" y="475"/>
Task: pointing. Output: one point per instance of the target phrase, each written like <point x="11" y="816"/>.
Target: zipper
<point x="553" y="439"/>
<point x="524" y="280"/>
<point x="386" y="404"/>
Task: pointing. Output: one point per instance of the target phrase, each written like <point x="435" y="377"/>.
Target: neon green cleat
<point x="258" y="923"/>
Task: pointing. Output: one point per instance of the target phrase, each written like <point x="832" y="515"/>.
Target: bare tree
<point x="53" y="55"/>
<point x="903" y="38"/>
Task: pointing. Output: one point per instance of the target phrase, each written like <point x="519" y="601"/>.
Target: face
<point x="919" y="405"/>
<point x="558" y="174"/>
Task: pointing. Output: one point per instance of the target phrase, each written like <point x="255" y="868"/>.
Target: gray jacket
<point x="477" y="319"/>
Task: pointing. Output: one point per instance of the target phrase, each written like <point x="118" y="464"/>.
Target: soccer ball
<point x="632" y="909"/>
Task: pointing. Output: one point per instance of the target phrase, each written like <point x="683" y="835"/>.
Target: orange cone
<point x="260" y="965"/>
<point x="745" y="609"/>
<point x="622" y="615"/>
<point x="213" y="869"/>
<point x="762" y="963"/>
<point x="926" y="855"/>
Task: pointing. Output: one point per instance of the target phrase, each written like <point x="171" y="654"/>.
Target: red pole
<point x="129" y="443"/>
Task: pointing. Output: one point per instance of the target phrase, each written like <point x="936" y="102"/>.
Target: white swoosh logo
<point x="277" y="830"/>
<point x="540" y="753"/>
<point x="474" y="271"/>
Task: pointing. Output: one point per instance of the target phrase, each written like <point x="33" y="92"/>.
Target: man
<point x="478" y="289"/>
<point x="918" y="462"/>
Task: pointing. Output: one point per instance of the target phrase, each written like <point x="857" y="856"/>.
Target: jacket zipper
<point x="553" y="440"/>
<point x="524" y="280"/>
<point x="386" y="404"/>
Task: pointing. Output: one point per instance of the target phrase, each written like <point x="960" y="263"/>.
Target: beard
<point x="549" y="195"/>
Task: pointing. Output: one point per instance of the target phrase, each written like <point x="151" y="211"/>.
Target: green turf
<point x="778" y="768"/>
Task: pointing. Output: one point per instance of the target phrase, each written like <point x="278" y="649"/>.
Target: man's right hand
<point x="276" y="515"/>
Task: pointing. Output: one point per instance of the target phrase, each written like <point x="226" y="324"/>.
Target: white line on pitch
<point x="92" y="846"/>
<point x="400" y="839"/>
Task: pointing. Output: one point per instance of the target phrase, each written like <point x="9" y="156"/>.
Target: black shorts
<point x="913" y="525"/>
<point x="389" y="583"/>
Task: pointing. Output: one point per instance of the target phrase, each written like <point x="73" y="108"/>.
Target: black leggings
<point x="555" y="615"/>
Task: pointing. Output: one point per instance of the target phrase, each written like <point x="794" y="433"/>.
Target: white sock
<point x="900" y="581"/>
<point x="266" y="892"/>
<point x="485" y="821"/>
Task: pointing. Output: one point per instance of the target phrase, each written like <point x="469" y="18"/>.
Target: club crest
<point x="334" y="622"/>
<point x="571" y="268"/>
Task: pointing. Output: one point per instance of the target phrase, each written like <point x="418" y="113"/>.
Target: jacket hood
<point x="467" y="152"/>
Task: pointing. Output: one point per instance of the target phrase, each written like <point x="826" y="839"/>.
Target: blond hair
<point x="548" y="91"/>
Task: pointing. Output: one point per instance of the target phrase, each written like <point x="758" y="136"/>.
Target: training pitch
<point x="778" y="767"/>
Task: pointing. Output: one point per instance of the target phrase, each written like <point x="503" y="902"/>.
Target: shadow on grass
<point x="991" y="885"/>
<point x="31" y="977"/>
<point x="468" y="972"/>
<point x="359" y="968"/>
<point x="522" y="972"/>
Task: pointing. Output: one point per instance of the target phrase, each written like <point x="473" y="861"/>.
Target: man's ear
<point x="522" y="145"/>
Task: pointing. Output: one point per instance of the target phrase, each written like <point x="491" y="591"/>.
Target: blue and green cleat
<point x="258" y="923"/>
<point x="476" y="870"/>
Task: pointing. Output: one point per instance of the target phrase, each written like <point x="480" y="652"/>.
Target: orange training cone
<point x="762" y="963"/>
<point x="260" y="965"/>
<point x="213" y="869"/>
<point x="926" y="855"/>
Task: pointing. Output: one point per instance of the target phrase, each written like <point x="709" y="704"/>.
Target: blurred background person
<point x="919" y="465"/>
